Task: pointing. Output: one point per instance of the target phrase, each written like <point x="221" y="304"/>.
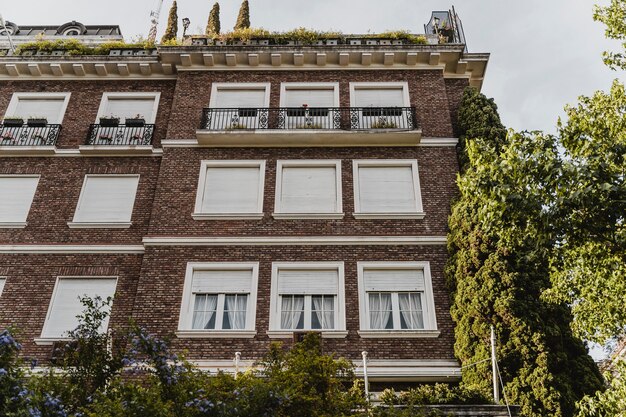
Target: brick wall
<point x="454" y="90"/>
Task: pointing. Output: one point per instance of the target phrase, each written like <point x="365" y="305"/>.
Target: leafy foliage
<point x="614" y="17"/>
<point x="171" y="31"/>
<point x="609" y="403"/>
<point x="435" y="394"/>
<point x="243" y="18"/>
<point x="76" y="47"/>
<point x="214" y="26"/>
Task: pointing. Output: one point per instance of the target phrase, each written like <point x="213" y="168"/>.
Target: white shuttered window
<point x="297" y="97"/>
<point x="2" y="282"/>
<point x="235" y="98"/>
<point x="65" y="304"/>
<point x="49" y="105"/>
<point x="16" y="197"/>
<point x="107" y="199"/>
<point x="128" y="108"/>
<point x="379" y="97"/>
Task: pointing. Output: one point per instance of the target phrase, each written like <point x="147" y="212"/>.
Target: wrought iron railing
<point x="322" y="118"/>
<point x="29" y="135"/>
<point x="120" y="135"/>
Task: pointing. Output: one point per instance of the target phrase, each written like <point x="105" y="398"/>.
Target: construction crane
<point x="154" y="20"/>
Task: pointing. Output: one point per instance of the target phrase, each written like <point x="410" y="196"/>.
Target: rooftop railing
<point x="25" y="135"/>
<point x="120" y="135"/>
<point x="315" y="118"/>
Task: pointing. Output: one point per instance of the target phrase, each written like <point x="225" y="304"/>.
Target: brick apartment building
<point x="269" y="190"/>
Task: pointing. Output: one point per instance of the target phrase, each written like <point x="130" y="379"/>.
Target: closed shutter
<point x="378" y="97"/>
<point x="66" y="304"/>
<point x="308" y="281"/>
<point x="393" y="279"/>
<point x="311" y="97"/>
<point x="2" y="281"/>
<point x="239" y="98"/>
<point x="129" y="108"/>
<point x="308" y="190"/>
<point x="107" y="199"/>
<point x="222" y="281"/>
<point x="16" y="197"/>
<point x="40" y="107"/>
<point x="231" y="190"/>
<point x="387" y="189"/>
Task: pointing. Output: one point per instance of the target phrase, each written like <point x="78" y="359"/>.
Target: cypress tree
<point x="243" y="19"/>
<point x="500" y="243"/>
<point x="213" y="27"/>
<point x="172" y="25"/>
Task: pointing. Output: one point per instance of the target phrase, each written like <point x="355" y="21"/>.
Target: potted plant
<point x="37" y="121"/>
<point x="137" y="121"/>
<point x="13" y="121"/>
<point x="109" y="121"/>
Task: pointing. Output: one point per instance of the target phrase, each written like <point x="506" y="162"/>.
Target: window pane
<point x="204" y="311"/>
<point x="411" y="314"/>
<point x="235" y="311"/>
<point x="292" y="312"/>
<point x="323" y="312"/>
<point x="381" y="316"/>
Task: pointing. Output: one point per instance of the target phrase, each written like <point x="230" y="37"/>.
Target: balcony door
<point x="237" y="107"/>
<point x="380" y="107"/>
<point x="308" y="108"/>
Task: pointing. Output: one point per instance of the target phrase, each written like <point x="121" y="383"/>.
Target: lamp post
<point x="186" y="23"/>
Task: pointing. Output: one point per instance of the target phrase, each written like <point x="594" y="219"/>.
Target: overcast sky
<point x="544" y="54"/>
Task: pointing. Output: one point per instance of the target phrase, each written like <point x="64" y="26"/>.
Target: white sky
<point x="544" y="54"/>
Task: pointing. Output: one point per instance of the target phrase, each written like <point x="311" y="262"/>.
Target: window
<point x="65" y="304"/>
<point x="48" y="105"/>
<point x="396" y="298"/>
<point x="219" y="298"/>
<point x="308" y="189"/>
<point x="17" y="193"/>
<point x="106" y="201"/>
<point x="387" y="189"/>
<point x="307" y="296"/>
<point x="129" y="105"/>
<point x="308" y="104"/>
<point x="230" y="190"/>
<point x="380" y="104"/>
<point x="2" y="282"/>
<point x="238" y="104"/>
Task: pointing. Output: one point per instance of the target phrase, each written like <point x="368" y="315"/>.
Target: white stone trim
<point x="295" y="240"/>
<point x="72" y="249"/>
<point x="106" y="96"/>
<point x="438" y="142"/>
<point x="325" y="334"/>
<point x="215" y="334"/>
<point x="398" y="334"/>
<point x="13" y="225"/>
<point x="97" y="225"/>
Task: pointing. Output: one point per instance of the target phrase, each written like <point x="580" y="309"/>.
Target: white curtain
<point x="291" y="311"/>
<point x="411" y="310"/>
<point x="324" y="311"/>
<point x="235" y="306"/>
<point x="203" y="311"/>
<point x="380" y="310"/>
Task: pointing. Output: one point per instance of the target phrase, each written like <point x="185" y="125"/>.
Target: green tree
<point x="614" y="17"/>
<point x="171" y="31"/>
<point x="500" y="243"/>
<point x="609" y="403"/>
<point x="243" y="18"/>
<point x="213" y="26"/>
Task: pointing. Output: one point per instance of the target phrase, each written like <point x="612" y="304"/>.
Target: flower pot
<point x="13" y="122"/>
<point x="36" y="122"/>
<point x="109" y="121"/>
<point x="135" y="122"/>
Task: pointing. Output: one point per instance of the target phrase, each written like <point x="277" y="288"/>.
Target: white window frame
<point x="20" y="225"/>
<point x="381" y="85"/>
<point x="340" y="310"/>
<point x="187" y="303"/>
<point x="3" y="283"/>
<point x="49" y="340"/>
<point x="19" y="95"/>
<point x="428" y="302"/>
<point x="240" y="86"/>
<point x="204" y="165"/>
<point x="106" y="96"/>
<point x="311" y="86"/>
<point x="103" y="225"/>
<point x="313" y="163"/>
<point x="359" y="214"/>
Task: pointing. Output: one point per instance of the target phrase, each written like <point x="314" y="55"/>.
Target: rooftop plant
<point x="76" y="47"/>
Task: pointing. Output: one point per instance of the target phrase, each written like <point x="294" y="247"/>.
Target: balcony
<point x="28" y="139"/>
<point x="309" y="126"/>
<point x="118" y="139"/>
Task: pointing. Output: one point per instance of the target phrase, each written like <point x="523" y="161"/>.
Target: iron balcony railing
<point x="29" y="135"/>
<point x="323" y="118"/>
<point x="120" y="135"/>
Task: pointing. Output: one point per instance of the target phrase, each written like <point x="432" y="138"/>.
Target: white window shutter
<point x="222" y="281"/>
<point x="231" y="98"/>
<point x="107" y="199"/>
<point x="296" y="97"/>
<point x="308" y="190"/>
<point x="66" y="304"/>
<point x="378" y="97"/>
<point x="40" y="107"/>
<point x="393" y="279"/>
<point x="231" y="190"/>
<point x="130" y="108"/>
<point x="2" y="282"/>
<point x="387" y="189"/>
<point x="308" y="281"/>
<point x="16" y="197"/>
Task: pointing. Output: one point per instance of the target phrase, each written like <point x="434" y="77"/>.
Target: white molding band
<point x="438" y="142"/>
<point x="295" y="241"/>
<point x="69" y="249"/>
